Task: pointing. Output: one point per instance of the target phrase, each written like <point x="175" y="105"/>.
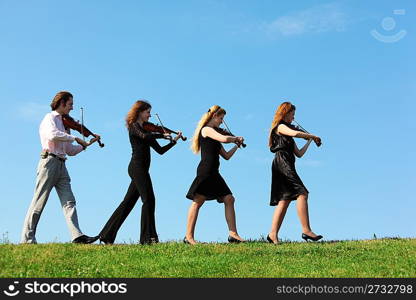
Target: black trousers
<point x="140" y="186"/>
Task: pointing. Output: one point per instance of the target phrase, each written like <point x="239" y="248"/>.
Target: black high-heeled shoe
<point x="308" y="237"/>
<point x="234" y="240"/>
<point x="104" y="241"/>
<point x="185" y="241"/>
<point x="270" y="240"/>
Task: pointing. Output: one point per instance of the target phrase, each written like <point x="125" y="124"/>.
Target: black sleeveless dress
<point x="286" y="183"/>
<point x="208" y="181"/>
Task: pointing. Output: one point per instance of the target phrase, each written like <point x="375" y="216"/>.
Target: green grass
<point x="372" y="258"/>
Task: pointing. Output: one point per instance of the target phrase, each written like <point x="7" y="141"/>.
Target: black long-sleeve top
<point x="141" y="141"/>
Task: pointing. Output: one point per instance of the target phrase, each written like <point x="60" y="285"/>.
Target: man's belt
<point x="45" y="154"/>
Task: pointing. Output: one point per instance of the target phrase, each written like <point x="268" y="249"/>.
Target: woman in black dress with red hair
<point x="286" y="183"/>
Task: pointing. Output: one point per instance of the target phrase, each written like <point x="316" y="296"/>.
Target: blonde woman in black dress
<point x="286" y="184"/>
<point x="209" y="184"/>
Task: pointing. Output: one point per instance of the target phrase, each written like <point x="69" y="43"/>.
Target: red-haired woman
<point x="141" y="183"/>
<point x="286" y="184"/>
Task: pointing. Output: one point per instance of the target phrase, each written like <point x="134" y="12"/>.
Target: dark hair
<point x="134" y="111"/>
<point x="61" y="97"/>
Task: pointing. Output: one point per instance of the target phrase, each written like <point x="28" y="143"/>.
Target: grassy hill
<point x="372" y="258"/>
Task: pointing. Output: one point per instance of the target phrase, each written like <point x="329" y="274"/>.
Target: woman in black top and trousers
<point x="141" y="183"/>
<point x="286" y="183"/>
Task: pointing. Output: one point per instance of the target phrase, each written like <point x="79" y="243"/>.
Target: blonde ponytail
<point x="206" y="117"/>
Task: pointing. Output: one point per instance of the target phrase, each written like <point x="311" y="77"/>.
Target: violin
<point x="317" y="141"/>
<point x="70" y="123"/>
<point x="149" y="126"/>
<point x="226" y="132"/>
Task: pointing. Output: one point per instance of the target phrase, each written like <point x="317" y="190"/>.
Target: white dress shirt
<point x="55" y="139"/>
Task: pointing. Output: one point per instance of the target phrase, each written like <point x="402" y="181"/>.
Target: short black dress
<point x="208" y="181"/>
<point x="286" y="183"/>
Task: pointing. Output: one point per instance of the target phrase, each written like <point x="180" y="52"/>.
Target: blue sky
<point x="354" y="90"/>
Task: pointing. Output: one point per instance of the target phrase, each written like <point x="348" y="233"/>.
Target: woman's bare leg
<point x="303" y="213"/>
<point x="192" y="217"/>
<point x="277" y="220"/>
<point x="230" y="216"/>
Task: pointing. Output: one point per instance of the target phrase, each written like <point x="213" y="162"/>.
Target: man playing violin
<point x="56" y="144"/>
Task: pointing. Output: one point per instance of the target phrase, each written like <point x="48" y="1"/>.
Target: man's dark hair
<point x="61" y="97"/>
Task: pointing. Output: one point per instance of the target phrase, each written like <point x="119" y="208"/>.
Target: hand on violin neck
<point x="317" y="140"/>
<point x="179" y="135"/>
<point x="97" y="138"/>
<point x="239" y="140"/>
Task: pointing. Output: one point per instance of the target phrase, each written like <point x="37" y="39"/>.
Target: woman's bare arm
<point x="228" y="154"/>
<point x="285" y="130"/>
<point x="300" y="152"/>
<point x="212" y="133"/>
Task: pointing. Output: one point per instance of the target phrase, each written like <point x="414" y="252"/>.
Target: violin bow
<point x="226" y="126"/>
<point x="163" y="127"/>
<point x="82" y="123"/>
<point x="93" y="140"/>
<point x="244" y="145"/>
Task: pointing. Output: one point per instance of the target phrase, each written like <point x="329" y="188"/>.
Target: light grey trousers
<point x="51" y="173"/>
